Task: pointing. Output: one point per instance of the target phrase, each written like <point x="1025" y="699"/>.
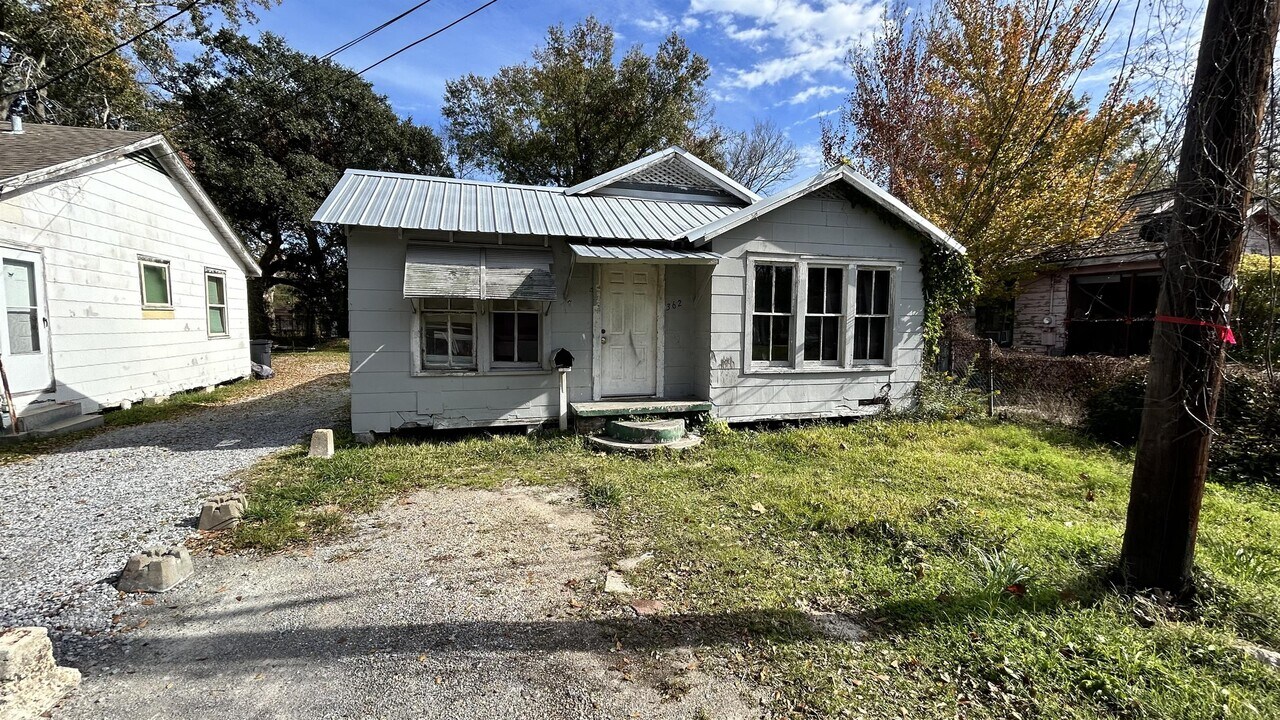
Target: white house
<point x="121" y="279"/>
<point x="674" y="288"/>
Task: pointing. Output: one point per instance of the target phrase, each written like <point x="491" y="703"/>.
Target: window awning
<point x="497" y="273"/>
<point x="625" y="253"/>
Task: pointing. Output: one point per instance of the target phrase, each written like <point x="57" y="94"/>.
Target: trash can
<point x="260" y="352"/>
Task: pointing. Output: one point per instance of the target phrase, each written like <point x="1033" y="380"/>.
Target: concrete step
<point x="46" y="414"/>
<point x="61" y="427"/>
<point x="647" y="431"/>
<point x="609" y="444"/>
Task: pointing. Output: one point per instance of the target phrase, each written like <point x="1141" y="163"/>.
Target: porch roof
<point x="618" y="253"/>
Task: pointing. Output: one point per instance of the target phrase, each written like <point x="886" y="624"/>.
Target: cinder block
<point x="30" y="681"/>
<point x="156" y="569"/>
<point x="154" y="400"/>
<point x="321" y="444"/>
<point x="222" y="512"/>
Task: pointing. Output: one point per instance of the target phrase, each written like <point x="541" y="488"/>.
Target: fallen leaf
<point x="758" y="509"/>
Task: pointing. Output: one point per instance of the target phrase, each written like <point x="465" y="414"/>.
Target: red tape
<point x="1225" y="333"/>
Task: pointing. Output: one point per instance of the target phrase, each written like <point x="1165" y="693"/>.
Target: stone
<point x="615" y="585"/>
<point x="321" y="444"/>
<point x="154" y="400"/>
<point x="647" y="607"/>
<point x="222" y="512"/>
<point x="31" y="683"/>
<point x="156" y="569"/>
<point x="365" y="438"/>
<point x="630" y="564"/>
<point x="1261" y="654"/>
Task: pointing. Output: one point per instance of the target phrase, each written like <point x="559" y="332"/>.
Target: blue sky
<point x="776" y="59"/>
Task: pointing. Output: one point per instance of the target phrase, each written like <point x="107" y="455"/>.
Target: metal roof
<point x="614" y="253"/>
<point x="417" y="202"/>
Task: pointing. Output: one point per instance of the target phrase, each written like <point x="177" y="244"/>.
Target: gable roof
<point x="672" y="166"/>
<point x="1131" y="236"/>
<point x="418" y="202"/>
<point x="839" y="173"/>
<point x="41" y="153"/>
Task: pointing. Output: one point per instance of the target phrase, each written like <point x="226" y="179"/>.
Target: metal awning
<point x="620" y="253"/>
<point x="497" y="273"/>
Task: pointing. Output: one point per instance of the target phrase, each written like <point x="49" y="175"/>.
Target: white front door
<point x="24" y="337"/>
<point x="628" y="330"/>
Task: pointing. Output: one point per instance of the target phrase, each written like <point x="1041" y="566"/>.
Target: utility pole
<point x="1215" y="176"/>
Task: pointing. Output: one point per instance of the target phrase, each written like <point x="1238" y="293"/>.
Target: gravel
<point x="70" y="519"/>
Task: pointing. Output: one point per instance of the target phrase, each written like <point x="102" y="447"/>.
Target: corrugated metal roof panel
<point x="630" y="253"/>
<point x="414" y="202"/>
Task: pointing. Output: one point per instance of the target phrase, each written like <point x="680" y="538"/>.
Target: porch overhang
<point x="632" y="254"/>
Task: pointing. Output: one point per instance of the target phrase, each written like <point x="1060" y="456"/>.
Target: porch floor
<point x="640" y="406"/>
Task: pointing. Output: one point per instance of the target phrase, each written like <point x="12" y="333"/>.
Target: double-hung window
<point x="871" y="316"/>
<point x="154" y="275"/>
<point x="215" y="284"/>
<point x="448" y="335"/>
<point x="771" y="317"/>
<point x="517" y="333"/>
<point x="824" y="315"/>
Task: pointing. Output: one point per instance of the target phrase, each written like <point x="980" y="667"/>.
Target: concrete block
<point x="126" y="404"/>
<point x="154" y="400"/>
<point x="222" y="512"/>
<point x="30" y="681"/>
<point x="156" y="569"/>
<point x="321" y="444"/>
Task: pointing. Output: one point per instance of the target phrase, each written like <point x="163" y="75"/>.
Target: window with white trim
<point x="824" y="315"/>
<point x="448" y="334"/>
<point x="771" y="318"/>
<point x="871" y="316"/>
<point x="517" y="333"/>
<point x="154" y="276"/>
<point x="215" y="284"/>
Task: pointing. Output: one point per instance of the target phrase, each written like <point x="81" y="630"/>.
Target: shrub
<point x="1247" y="443"/>
<point x="942" y="396"/>
<point x="1257" y="297"/>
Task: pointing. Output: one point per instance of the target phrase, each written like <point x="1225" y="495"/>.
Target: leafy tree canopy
<point x="40" y="40"/>
<point x="971" y="116"/>
<point x="269" y="131"/>
<point x="574" y="113"/>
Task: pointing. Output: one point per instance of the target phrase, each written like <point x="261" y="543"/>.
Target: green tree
<point x="269" y="130"/>
<point x="573" y="113"/>
<point x="45" y="40"/>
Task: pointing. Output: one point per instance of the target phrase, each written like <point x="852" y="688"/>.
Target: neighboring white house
<point x="121" y="279"/>
<point x="674" y="288"/>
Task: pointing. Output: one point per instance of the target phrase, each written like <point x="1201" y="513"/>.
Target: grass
<point x="978" y="555"/>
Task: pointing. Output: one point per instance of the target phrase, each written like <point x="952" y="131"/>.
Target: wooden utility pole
<point x="1215" y="176"/>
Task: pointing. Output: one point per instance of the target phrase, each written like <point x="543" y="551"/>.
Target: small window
<point x="871" y="316"/>
<point x="215" y="288"/>
<point x="155" y="282"/>
<point x="22" y="313"/>
<point x="824" y="316"/>
<point x="771" y="316"/>
<point x="517" y="333"/>
<point x="448" y="339"/>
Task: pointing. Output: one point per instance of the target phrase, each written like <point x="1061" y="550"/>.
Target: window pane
<point x="464" y="343"/>
<point x="760" y="325"/>
<point x="529" y="337"/>
<point x="881" y="293"/>
<point x="782" y="277"/>
<point x="24" y="332"/>
<point x="780" y="342"/>
<point x="764" y="288"/>
<point x="817" y="281"/>
<point x="813" y="338"/>
<point x="155" y="284"/>
<point x="876" y="338"/>
<point x="214" y="290"/>
<point x="866" y="279"/>
<point x="860" y="333"/>
<point x="830" y="338"/>
<point x="217" y="321"/>
<point x="435" y="339"/>
<point x="19" y="283"/>
<point x="835" y="290"/>
<point x="504" y="337"/>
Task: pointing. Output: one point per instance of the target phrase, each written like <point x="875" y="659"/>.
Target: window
<point x="517" y="332"/>
<point x="824" y="316"/>
<point x="771" y="316"/>
<point x="155" y="282"/>
<point x="448" y="335"/>
<point x="215" y="289"/>
<point x="871" y="316"/>
<point x="22" y="313"/>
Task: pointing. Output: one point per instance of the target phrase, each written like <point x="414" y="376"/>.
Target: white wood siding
<point x="90" y="229"/>
<point x="815" y="227"/>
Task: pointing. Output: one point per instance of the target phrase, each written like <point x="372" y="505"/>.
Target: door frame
<point x="42" y="297"/>
<point x="659" y="325"/>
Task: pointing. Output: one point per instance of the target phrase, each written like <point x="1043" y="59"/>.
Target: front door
<point x="628" y="330"/>
<point x="24" y="337"/>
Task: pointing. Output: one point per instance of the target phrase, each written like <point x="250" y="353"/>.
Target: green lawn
<point x="977" y="555"/>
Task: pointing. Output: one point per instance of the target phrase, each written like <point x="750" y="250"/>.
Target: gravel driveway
<point x="69" y="519"/>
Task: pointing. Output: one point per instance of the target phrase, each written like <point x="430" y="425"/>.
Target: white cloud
<point x="800" y="37"/>
<point x="811" y="160"/>
<point x="814" y="92"/>
<point x="661" y="23"/>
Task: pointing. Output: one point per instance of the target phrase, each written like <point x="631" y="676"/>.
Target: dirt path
<point x="447" y="604"/>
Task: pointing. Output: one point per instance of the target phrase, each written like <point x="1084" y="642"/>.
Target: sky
<point x="781" y="60"/>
